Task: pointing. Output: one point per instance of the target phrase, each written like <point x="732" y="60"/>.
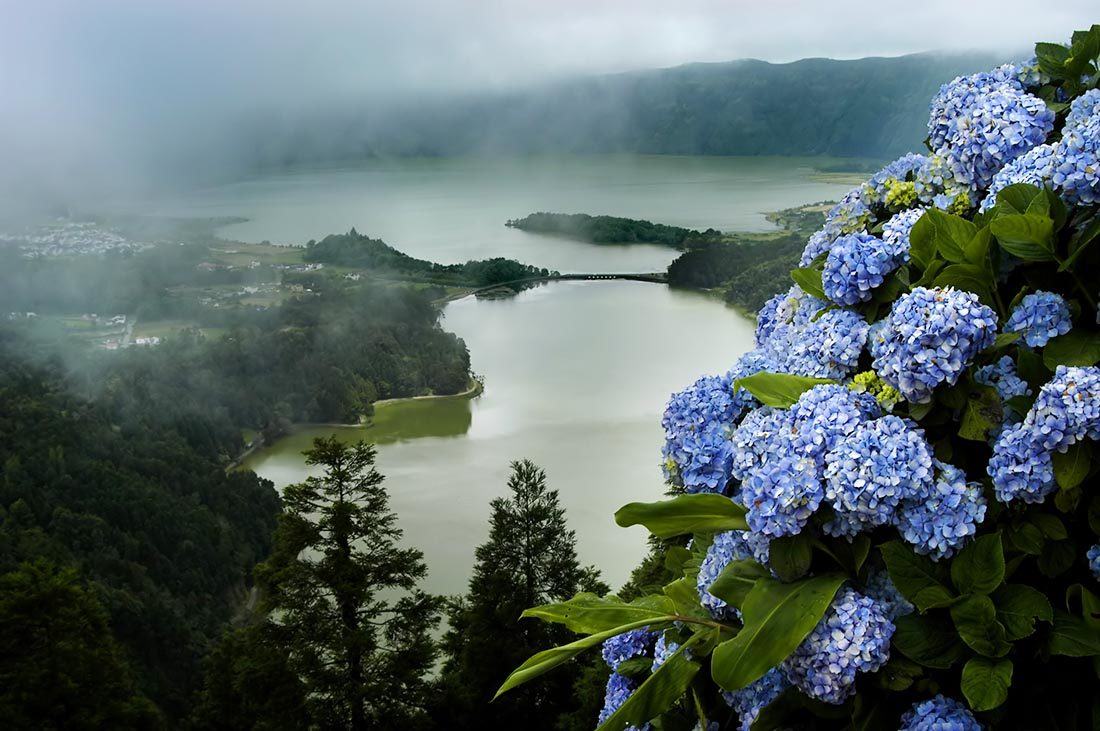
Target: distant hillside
<point x="872" y="107"/>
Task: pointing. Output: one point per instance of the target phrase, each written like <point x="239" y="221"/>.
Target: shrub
<point x="883" y="516"/>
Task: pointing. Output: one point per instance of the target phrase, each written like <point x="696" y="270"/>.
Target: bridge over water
<point x="654" y="277"/>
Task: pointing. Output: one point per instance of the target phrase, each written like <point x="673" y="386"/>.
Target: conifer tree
<point x="528" y="559"/>
<point x="357" y="628"/>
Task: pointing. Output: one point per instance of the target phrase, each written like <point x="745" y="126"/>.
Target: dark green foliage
<point x="59" y="665"/>
<point x="250" y="683"/>
<point x="161" y="532"/>
<point x="344" y="595"/>
<point x="612" y="229"/>
<point x="528" y="559"/>
<point x="353" y="249"/>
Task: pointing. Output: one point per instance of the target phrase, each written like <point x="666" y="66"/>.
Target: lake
<point x="576" y="373"/>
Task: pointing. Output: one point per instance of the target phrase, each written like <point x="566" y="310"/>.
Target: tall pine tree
<point x="529" y="558"/>
<point x="356" y="627"/>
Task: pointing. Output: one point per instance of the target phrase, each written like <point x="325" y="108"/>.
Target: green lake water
<point x="576" y="373"/>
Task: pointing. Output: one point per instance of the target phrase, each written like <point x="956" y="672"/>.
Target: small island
<point x="612" y="229"/>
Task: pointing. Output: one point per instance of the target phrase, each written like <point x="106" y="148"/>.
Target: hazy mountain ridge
<point x="872" y="107"/>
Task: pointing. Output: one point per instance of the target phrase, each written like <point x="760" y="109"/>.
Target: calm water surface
<point x="453" y="210"/>
<point x="576" y="373"/>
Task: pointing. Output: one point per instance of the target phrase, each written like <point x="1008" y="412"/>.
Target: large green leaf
<point x="952" y="234"/>
<point x="1074" y="636"/>
<point x="980" y="567"/>
<point x="928" y="640"/>
<point x="1016" y="198"/>
<point x="780" y="390"/>
<point x="985" y="682"/>
<point x="810" y="281"/>
<point x="968" y="277"/>
<point x="587" y="613"/>
<point x="737" y="580"/>
<point x="922" y="242"/>
<point x="777" y="617"/>
<point x="547" y="660"/>
<point x="698" y="513"/>
<point x="1080" y="242"/>
<point x="1026" y="235"/>
<point x="984" y="413"/>
<point x="1072" y="466"/>
<point x="1075" y="348"/>
<point x="664" y="687"/>
<point x="975" y="618"/>
<point x="1018" y="607"/>
<point x="920" y="580"/>
<point x="790" y="556"/>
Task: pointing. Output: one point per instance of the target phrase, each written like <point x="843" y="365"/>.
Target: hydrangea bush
<point x="884" y="516"/>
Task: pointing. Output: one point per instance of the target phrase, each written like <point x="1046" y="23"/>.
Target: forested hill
<point x="874" y="107"/>
<point x="611" y="229"/>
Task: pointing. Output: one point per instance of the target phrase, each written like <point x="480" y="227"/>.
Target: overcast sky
<point x="90" y="78"/>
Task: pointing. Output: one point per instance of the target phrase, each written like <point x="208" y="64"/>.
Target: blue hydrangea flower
<point x="698" y="422"/>
<point x="939" y="714"/>
<point x="998" y="127"/>
<point x="1077" y="167"/>
<point x="941" y="522"/>
<point x="1093" y="556"/>
<point x="757" y="439"/>
<point x="753" y="698"/>
<point x="620" y="648"/>
<point x="1036" y="167"/>
<point x="1030" y="75"/>
<point x="1066" y="410"/>
<point x="824" y="415"/>
<point x="852" y="637"/>
<point x="959" y="95"/>
<point x="781" y="496"/>
<point x="880" y="587"/>
<point x="795" y="336"/>
<point x="857" y="263"/>
<point x="930" y="337"/>
<point x="1040" y="316"/>
<point x="1020" y="466"/>
<point x="619" y="689"/>
<point x="663" y="650"/>
<point x="1002" y="376"/>
<point x="896" y="230"/>
<point x="729" y="546"/>
<point x="874" y="191"/>
<point x="819" y="243"/>
<point x="850" y="214"/>
<point x="869" y="473"/>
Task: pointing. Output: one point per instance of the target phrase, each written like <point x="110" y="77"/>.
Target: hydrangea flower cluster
<point x="878" y="187"/>
<point x="1066" y="410"/>
<point x="1077" y="167"/>
<point x="939" y="713"/>
<point x="1036" y="167"/>
<point x="781" y="496"/>
<point x="869" y="382"/>
<point x="930" y="337"/>
<point x="729" y="546"/>
<point x="960" y="94"/>
<point x="1093" y="557"/>
<point x="850" y="214"/>
<point x="857" y="263"/>
<point x="663" y="649"/>
<point x="1002" y="376"/>
<point x="750" y="700"/>
<point x="819" y="243"/>
<point x="793" y="335"/>
<point x="620" y="648"/>
<point x="1030" y="75"/>
<point x="940" y="522"/>
<point x="895" y="232"/>
<point x="997" y="128"/>
<point x="852" y="637"/>
<point x="822" y="417"/>
<point x="869" y="474"/>
<point x="619" y="688"/>
<point x="1039" y="317"/>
